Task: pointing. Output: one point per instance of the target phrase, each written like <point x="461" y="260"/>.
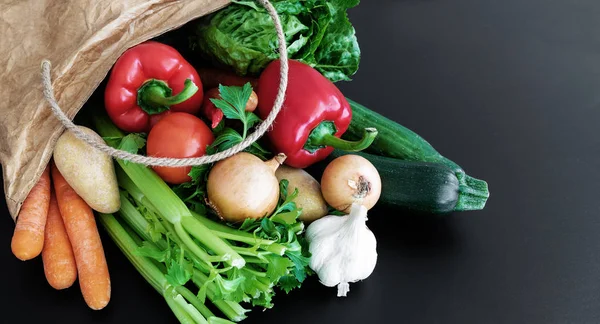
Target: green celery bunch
<point x="179" y="251"/>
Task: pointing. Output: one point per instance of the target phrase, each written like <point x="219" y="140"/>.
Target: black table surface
<point x="508" y="89"/>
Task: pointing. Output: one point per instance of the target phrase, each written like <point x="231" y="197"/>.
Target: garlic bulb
<point x="343" y="249"/>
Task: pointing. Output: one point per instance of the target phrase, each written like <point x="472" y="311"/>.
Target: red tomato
<point x="157" y="117"/>
<point x="178" y="135"/>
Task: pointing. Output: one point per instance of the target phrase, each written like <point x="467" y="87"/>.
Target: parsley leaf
<point x="232" y="103"/>
<point x="287" y="217"/>
<point x="179" y="272"/>
<point x="301" y="262"/>
<point x="286" y="201"/>
<point x="151" y="251"/>
<point x="259" y="151"/>
<point x="278" y="267"/>
<point x="237" y="96"/>
<point x="288" y="283"/>
<point x="113" y="141"/>
<point x="252" y="120"/>
<point x="131" y="143"/>
<point x="192" y="192"/>
<point x="291" y="269"/>
<point x="228" y="138"/>
<point x="199" y="173"/>
<point x="228" y="288"/>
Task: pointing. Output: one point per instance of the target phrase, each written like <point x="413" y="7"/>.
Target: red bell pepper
<point x="141" y="86"/>
<point x="314" y="115"/>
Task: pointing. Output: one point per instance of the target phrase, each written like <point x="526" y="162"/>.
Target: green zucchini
<point x="419" y="186"/>
<point x="397" y="141"/>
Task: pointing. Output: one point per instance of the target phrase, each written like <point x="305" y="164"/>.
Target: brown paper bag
<point x="82" y="39"/>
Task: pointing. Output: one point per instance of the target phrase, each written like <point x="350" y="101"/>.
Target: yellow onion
<point x="243" y="186"/>
<point x="350" y="179"/>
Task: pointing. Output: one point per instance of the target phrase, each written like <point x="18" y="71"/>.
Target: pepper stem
<point x="323" y="136"/>
<point x="155" y="96"/>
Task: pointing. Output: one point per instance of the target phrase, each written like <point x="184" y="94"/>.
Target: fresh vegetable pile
<point x="217" y="239"/>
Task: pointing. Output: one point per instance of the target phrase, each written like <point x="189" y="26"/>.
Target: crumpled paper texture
<point x="82" y="39"/>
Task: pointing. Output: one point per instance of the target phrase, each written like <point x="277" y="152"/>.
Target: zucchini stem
<point x="472" y="193"/>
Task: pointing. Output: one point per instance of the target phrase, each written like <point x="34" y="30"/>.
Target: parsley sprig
<point x="233" y="105"/>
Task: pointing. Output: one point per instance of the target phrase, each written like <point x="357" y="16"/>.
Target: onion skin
<point x="309" y="197"/>
<point x="243" y="186"/>
<point x="350" y="179"/>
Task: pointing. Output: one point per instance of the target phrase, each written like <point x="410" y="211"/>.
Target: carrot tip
<point x="99" y="306"/>
<point x="25" y="255"/>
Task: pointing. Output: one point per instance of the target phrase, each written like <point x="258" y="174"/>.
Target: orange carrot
<point x="80" y="224"/>
<point x="57" y="255"/>
<point x="28" y="239"/>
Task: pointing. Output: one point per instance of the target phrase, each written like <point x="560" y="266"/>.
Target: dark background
<point x="508" y="89"/>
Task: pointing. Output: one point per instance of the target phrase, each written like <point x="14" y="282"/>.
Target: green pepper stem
<point x="369" y="135"/>
<point x="323" y="136"/>
<point x="154" y="96"/>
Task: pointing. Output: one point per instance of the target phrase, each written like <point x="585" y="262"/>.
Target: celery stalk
<point x="134" y="219"/>
<point x="132" y="216"/>
<point x="124" y="241"/>
<point x="170" y="207"/>
<point x="226" y="232"/>
<point x="191" y="298"/>
<point x="184" y="312"/>
<point x="218" y="320"/>
<point x="182" y="316"/>
<point x="229" y="233"/>
<point x="233" y="311"/>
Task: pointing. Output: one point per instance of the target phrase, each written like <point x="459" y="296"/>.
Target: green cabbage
<point x="242" y="36"/>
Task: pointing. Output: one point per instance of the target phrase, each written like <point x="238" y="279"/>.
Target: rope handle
<point x="175" y="162"/>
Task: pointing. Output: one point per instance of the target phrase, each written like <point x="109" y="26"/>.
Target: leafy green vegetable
<point x="175" y="248"/>
<point x="132" y="143"/>
<point x="333" y="60"/>
<point x="178" y="272"/>
<point x="233" y="104"/>
<point x="289" y="283"/>
<point x="284" y="227"/>
<point x="151" y="251"/>
<point x="242" y="36"/>
<point x="182" y="307"/>
<point x="192" y="192"/>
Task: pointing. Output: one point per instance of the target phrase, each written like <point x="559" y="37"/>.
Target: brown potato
<point x="309" y="197"/>
<point x="88" y="171"/>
